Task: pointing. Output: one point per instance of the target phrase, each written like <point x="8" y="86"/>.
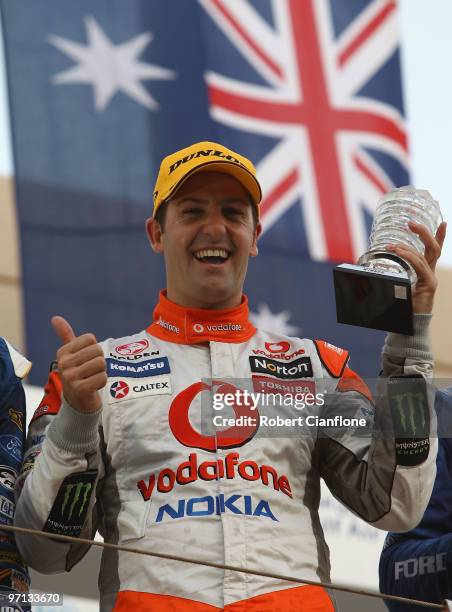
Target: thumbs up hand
<point x="82" y="367"/>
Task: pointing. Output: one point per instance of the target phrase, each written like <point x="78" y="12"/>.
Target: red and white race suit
<point x="147" y="473"/>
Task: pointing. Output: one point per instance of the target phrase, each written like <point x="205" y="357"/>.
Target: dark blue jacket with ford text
<point x="13" y="367"/>
<point x="418" y="563"/>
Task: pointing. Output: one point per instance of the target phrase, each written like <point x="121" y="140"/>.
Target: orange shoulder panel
<point x="351" y="381"/>
<point x="333" y="358"/>
<point x="51" y="402"/>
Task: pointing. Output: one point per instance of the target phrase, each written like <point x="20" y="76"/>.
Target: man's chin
<point x="217" y="296"/>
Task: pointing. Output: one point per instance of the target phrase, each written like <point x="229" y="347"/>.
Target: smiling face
<point x="209" y="234"/>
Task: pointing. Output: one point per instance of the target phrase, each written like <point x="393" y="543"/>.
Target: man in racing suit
<point x="127" y="450"/>
<point x="418" y="563"/>
<point x="13" y="368"/>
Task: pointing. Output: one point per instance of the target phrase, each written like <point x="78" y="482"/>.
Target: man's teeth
<point x="211" y="253"/>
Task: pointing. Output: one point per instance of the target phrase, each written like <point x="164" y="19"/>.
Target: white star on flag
<point x="109" y="68"/>
<point x="277" y="323"/>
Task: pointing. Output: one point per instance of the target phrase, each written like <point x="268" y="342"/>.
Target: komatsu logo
<point x="209" y="505"/>
<point x="151" y="367"/>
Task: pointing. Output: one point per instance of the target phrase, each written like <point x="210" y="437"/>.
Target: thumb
<point x="63" y="329"/>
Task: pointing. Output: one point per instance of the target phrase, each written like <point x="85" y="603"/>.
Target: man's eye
<point x="234" y="212"/>
<point x="191" y="211"/>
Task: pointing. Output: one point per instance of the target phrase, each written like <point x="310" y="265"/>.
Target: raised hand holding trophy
<point x="376" y="292"/>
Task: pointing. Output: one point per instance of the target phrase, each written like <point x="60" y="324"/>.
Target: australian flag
<point x="100" y="91"/>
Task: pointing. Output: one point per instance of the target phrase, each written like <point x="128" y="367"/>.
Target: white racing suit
<point x="145" y="472"/>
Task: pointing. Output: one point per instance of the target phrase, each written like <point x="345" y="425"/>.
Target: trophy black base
<point x="373" y="299"/>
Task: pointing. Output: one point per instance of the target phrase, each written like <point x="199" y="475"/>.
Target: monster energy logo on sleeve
<point x="71" y="505"/>
<point x="74" y="492"/>
<point x="411" y="419"/>
<point x="412" y="416"/>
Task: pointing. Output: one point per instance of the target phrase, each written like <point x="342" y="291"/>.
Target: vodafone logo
<point x="187" y="435"/>
<point x="132" y="348"/>
<point x="277" y="347"/>
<point x="198" y="328"/>
<point x="279" y="350"/>
<point x="119" y="389"/>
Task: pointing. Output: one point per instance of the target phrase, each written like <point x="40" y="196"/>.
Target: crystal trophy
<point x="376" y="293"/>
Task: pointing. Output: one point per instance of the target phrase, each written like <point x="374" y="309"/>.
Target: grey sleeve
<point x="409" y="355"/>
<point x="56" y="489"/>
<point x="383" y="474"/>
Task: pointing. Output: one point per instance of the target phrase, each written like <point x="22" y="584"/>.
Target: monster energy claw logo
<point x="411" y="411"/>
<point x="77" y="490"/>
<point x="70" y="508"/>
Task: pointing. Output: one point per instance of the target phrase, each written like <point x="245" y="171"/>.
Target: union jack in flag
<point x="333" y="138"/>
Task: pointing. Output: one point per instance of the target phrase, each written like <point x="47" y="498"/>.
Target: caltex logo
<point x="119" y="389"/>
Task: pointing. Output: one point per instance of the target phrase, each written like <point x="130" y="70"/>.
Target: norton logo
<point x="277" y="347"/>
<point x="299" y="368"/>
<point x="132" y="348"/>
<point x="119" y="389"/>
<point x="187" y="435"/>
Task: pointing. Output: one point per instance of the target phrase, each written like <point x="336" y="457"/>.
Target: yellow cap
<point x="204" y="157"/>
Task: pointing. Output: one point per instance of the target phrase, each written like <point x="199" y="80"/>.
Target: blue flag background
<point x="86" y="159"/>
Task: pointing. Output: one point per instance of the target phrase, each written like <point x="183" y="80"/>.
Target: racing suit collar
<point x="182" y="325"/>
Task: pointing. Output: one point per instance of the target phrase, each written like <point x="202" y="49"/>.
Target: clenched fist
<point x="82" y="367"/>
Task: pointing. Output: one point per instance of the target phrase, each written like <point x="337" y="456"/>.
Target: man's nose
<point x="214" y="223"/>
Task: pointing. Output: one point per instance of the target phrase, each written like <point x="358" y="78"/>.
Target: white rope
<point x="232" y="568"/>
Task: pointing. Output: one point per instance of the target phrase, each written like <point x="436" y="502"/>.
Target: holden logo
<point x="198" y="328"/>
<point x="132" y="348"/>
<point x="277" y="347"/>
<point x="119" y="389"/>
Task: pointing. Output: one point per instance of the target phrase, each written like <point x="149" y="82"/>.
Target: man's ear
<point x="154" y="232"/>
<point x="257" y="233"/>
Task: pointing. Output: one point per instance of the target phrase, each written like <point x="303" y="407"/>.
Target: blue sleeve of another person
<point x="418" y="563"/>
<point x="13" y="367"/>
